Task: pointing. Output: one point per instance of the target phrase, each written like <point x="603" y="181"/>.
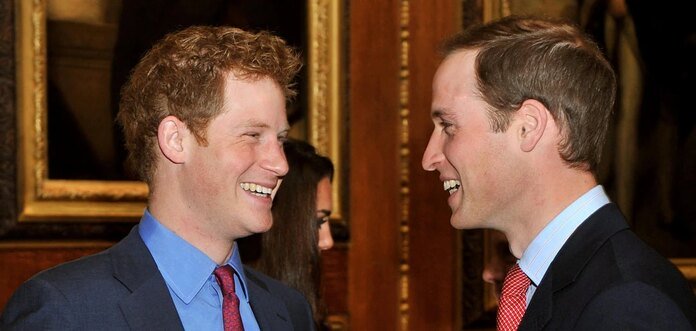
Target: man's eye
<point x="252" y="134"/>
<point x="446" y="127"/>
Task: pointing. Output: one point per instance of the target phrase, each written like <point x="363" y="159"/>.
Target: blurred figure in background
<point x="290" y="251"/>
<point x="500" y="261"/>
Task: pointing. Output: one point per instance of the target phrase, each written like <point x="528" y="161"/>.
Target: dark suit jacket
<point x="121" y="288"/>
<point x="605" y="278"/>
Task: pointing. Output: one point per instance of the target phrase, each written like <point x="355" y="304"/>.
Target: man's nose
<point x="274" y="160"/>
<point x="432" y="155"/>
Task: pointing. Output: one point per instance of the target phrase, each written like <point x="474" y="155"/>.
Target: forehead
<point x="456" y="70"/>
<point x="256" y="102"/>
<point x="324" y="194"/>
<point x="454" y="82"/>
<point x="240" y="85"/>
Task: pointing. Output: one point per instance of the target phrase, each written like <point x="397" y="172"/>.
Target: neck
<point x="178" y="217"/>
<point x="545" y="200"/>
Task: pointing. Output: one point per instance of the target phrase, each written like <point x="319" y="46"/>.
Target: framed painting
<point x="71" y="59"/>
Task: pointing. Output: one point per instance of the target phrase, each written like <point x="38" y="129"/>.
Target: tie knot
<point x="224" y="276"/>
<point x="516" y="281"/>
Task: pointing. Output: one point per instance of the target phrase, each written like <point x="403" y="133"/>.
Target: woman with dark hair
<point x="301" y="209"/>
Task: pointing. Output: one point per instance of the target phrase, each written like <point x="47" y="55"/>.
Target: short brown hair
<point x="183" y="75"/>
<point x="553" y="62"/>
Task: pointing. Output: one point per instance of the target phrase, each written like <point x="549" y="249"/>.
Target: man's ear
<point x="170" y="137"/>
<point x="534" y="117"/>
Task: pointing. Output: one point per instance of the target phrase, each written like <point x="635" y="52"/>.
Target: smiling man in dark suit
<point x="521" y="107"/>
<point x="204" y="117"/>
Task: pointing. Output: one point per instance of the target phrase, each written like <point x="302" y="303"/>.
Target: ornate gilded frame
<point x="326" y="68"/>
<point x="43" y="199"/>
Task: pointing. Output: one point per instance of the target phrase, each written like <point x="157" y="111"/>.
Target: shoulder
<point x="274" y="286"/>
<point x="604" y="248"/>
<point x="50" y="299"/>
<point x="637" y="261"/>
<point x="73" y="276"/>
<point x="604" y="269"/>
<point x="295" y="303"/>
<point x="77" y="275"/>
<point x="635" y="306"/>
<point x="633" y="283"/>
<point x="68" y="295"/>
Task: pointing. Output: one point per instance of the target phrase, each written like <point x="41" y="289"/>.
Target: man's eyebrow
<point x="252" y="123"/>
<point x="325" y="211"/>
<point x="255" y="124"/>
<point x="437" y="113"/>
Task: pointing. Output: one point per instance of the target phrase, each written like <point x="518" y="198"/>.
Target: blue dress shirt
<point x="537" y="258"/>
<point x="188" y="273"/>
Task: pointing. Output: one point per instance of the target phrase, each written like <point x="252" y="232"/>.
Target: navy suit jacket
<point x="121" y="289"/>
<point x="605" y="278"/>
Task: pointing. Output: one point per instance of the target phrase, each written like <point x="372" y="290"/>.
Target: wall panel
<point x="374" y="164"/>
<point x="434" y="262"/>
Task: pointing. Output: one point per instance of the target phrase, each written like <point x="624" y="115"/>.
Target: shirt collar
<point x="543" y="249"/>
<point x="235" y="262"/>
<point x="184" y="267"/>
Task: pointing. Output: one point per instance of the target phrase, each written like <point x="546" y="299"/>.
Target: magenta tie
<point x="513" y="299"/>
<point x="230" y="303"/>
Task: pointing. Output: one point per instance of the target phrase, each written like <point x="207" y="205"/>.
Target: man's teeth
<point x="451" y="185"/>
<point x="256" y="188"/>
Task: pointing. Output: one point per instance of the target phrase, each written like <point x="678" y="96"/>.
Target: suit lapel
<point x="584" y="243"/>
<point x="570" y="261"/>
<point x="539" y="311"/>
<point x="150" y="306"/>
<point x="270" y="312"/>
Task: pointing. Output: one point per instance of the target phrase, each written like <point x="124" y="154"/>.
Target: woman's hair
<point x="184" y="75"/>
<point x="289" y="250"/>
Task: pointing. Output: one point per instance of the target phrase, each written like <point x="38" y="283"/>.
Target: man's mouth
<point x="257" y="189"/>
<point x="451" y="185"/>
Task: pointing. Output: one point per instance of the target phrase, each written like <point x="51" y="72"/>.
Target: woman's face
<point x="323" y="213"/>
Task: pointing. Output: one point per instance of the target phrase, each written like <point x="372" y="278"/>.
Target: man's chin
<point x="461" y="222"/>
<point x="263" y="227"/>
<point x="256" y="228"/>
<point x="457" y="222"/>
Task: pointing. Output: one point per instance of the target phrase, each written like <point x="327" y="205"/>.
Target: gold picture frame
<point x="43" y="199"/>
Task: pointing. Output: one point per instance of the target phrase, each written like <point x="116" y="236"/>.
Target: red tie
<point x="513" y="299"/>
<point x="230" y="303"/>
